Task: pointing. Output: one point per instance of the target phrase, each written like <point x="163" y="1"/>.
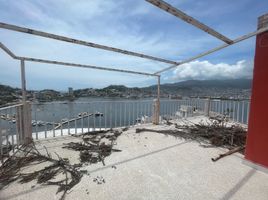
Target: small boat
<point x="65" y="120"/>
<point x="81" y="114"/>
<point x="12" y="121"/>
<point x="37" y="123"/>
<point x="98" y="114"/>
<point x="138" y="120"/>
<point x="40" y="123"/>
<point x="33" y="123"/>
<point x="142" y="119"/>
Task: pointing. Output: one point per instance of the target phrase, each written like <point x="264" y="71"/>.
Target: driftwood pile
<point x="95" y="146"/>
<point x="215" y="133"/>
<point x="66" y="175"/>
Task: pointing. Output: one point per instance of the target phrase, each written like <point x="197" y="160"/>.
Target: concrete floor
<point x="153" y="166"/>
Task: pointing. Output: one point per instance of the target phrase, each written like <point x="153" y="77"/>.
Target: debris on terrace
<point x="99" y="180"/>
<point x="94" y="147"/>
<point x="12" y="169"/>
<point x="216" y="132"/>
<point x="134" y="158"/>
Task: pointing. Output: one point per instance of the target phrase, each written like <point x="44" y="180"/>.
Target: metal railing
<point x="237" y="110"/>
<point x="169" y="108"/>
<point x="61" y="118"/>
<point x="9" y="128"/>
<point x="65" y="118"/>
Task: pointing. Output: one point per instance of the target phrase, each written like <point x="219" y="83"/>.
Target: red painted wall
<point x="257" y="140"/>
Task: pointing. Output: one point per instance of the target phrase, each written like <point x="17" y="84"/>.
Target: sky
<point x="130" y="25"/>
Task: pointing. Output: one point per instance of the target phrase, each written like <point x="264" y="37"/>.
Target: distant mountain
<point x="5" y="89"/>
<point x="223" y="84"/>
<point x="230" y="83"/>
<point x="116" y="87"/>
<point x="8" y="94"/>
<point x="234" y="88"/>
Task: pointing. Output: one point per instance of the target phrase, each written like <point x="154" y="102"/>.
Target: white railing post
<point x="156" y="104"/>
<point x="1" y="148"/>
<point x="24" y="112"/>
<point x="155" y="112"/>
<point x="207" y="106"/>
<point x="24" y="123"/>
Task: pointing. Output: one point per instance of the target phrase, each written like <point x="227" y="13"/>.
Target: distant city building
<point x="71" y="91"/>
<point x="35" y="95"/>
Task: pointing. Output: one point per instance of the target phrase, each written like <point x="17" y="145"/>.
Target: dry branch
<point x="216" y="132"/>
<point x="10" y="171"/>
<point x="95" y="146"/>
<point x="234" y="150"/>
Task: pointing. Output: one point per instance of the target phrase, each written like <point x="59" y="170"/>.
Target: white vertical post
<point x="23" y="81"/>
<point x="1" y="149"/>
<point x="105" y="115"/>
<point x="110" y="115"/>
<point x="23" y="91"/>
<point x="26" y="117"/>
<point x="120" y="114"/>
<point x="156" y="105"/>
<point x="243" y="111"/>
<point x="207" y="107"/>
<point x="248" y="104"/>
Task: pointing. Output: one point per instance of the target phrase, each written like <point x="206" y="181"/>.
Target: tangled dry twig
<point x="217" y="132"/>
<point x="95" y="146"/>
<point x="11" y="169"/>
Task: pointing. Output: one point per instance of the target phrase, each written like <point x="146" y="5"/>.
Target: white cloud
<point x="201" y="70"/>
<point x="131" y="25"/>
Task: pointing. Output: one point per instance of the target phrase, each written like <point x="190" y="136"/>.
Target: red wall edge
<point x="257" y="139"/>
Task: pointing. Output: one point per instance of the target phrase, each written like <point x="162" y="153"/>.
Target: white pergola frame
<point x="159" y="3"/>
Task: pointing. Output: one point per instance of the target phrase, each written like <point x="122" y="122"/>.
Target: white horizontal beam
<point x="244" y="37"/>
<point x="10" y="53"/>
<point x="81" y="42"/>
<point x="83" y="66"/>
<point x="178" y="13"/>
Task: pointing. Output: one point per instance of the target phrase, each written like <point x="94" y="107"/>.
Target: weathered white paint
<point x="81" y="42"/>
<point x="84" y="66"/>
<point x="239" y="39"/>
<point x="178" y="13"/>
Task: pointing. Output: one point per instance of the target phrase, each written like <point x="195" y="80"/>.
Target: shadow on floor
<point x="239" y="185"/>
<point x="137" y="157"/>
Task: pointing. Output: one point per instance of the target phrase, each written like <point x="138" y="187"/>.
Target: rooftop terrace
<point x="151" y="166"/>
